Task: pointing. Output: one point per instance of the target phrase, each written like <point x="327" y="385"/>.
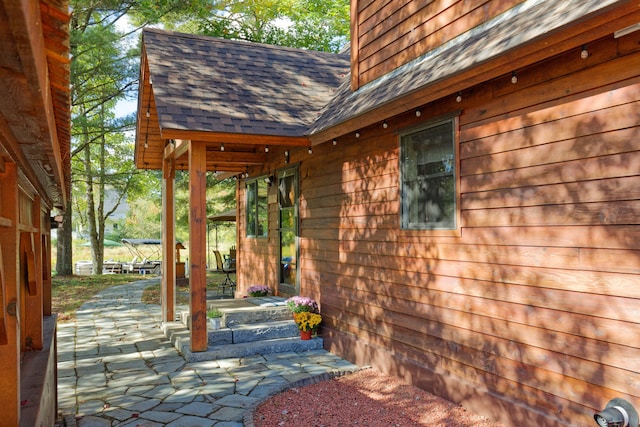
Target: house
<point x="462" y="199"/>
<point x="34" y="182"/>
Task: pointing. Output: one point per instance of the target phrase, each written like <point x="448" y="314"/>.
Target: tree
<point x="103" y="71"/>
<point x="311" y="24"/>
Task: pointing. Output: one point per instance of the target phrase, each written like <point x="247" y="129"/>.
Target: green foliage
<point x="311" y="24"/>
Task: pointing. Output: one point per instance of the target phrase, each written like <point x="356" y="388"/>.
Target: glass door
<point x="288" y="231"/>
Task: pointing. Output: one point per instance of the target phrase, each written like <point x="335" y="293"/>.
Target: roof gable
<point x="217" y="85"/>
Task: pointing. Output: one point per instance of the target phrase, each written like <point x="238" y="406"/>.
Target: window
<point x="257" y="208"/>
<point x="428" y="168"/>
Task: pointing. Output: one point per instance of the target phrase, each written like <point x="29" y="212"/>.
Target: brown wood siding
<point x="388" y="34"/>
<point x="537" y="301"/>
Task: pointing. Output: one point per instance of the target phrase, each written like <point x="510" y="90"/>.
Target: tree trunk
<point x="64" y="257"/>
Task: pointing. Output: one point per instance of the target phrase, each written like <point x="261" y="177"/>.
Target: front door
<point x="288" y="232"/>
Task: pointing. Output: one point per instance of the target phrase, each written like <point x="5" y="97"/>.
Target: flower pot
<point x="214" y="322"/>
<point x="305" y="335"/>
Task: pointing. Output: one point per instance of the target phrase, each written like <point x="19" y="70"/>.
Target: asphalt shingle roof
<point x="521" y="25"/>
<point x="217" y="85"/>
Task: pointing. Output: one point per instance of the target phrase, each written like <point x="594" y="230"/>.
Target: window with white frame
<point x="257" y="208"/>
<point x="428" y="177"/>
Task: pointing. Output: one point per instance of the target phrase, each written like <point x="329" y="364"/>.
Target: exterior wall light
<point x="584" y="53"/>
<point x="617" y="413"/>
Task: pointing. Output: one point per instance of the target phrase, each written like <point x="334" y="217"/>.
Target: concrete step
<point x="279" y="345"/>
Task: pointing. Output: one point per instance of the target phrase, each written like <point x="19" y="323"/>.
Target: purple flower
<point x="300" y="304"/>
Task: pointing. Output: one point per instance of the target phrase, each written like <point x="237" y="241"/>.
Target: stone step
<point x="246" y="349"/>
<point x="264" y="331"/>
<point x="256" y="314"/>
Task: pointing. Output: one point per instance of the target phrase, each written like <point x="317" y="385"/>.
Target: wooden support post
<point x="168" y="241"/>
<point x="10" y="352"/>
<point x="197" y="244"/>
<point x="33" y="290"/>
<point x="45" y="239"/>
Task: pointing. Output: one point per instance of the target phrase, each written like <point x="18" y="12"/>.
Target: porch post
<point x="197" y="244"/>
<point x="10" y="310"/>
<point x="168" y="241"/>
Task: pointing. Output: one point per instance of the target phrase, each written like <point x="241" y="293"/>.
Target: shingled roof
<point x="231" y="90"/>
<point x="217" y="85"/>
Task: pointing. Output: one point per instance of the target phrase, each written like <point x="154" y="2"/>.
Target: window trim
<point x="257" y="181"/>
<point x="455" y="231"/>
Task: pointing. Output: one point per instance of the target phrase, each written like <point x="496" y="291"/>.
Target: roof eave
<point x="579" y="32"/>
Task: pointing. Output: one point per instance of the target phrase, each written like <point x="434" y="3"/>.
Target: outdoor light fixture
<point x="270" y="180"/>
<point x="584" y="54"/>
<point x="310" y="150"/>
<point x="221" y="147"/>
<point x="418" y="113"/>
<point x="335" y="142"/>
<point x="357" y="134"/>
<point x="514" y="78"/>
<point x="617" y="413"/>
<point x="459" y="97"/>
<point x="286" y="156"/>
<point x="266" y="149"/>
<point x="385" y="124"/>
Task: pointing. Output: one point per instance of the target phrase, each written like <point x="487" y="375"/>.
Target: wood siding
<point x="387" y="34"/>
<point x="531" y="316"/>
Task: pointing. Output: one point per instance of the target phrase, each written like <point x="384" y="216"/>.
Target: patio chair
<point x="228" y="282"/>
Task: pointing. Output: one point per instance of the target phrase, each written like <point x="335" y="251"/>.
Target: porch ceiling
<point x="35" y="102"/>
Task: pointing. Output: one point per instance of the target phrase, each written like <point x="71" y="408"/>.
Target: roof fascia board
<point x="236" y="138"/>
<point x="25" y="21"/>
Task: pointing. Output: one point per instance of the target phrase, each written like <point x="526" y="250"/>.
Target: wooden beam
<point x="235" y="138"/>
<point x="176" y="150"/>
<point x="197" y="245"/>
<point x="24" y="18"/>
<point x="33" y="298"/>
<point x="236" y="158"/>
<point x="10" y="353"/>
<point x="168" y="241"/>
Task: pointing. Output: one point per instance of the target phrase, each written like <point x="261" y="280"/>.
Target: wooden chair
<point x="228" y="282"/>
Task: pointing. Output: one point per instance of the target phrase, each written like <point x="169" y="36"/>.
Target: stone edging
<point x="250" y="412"/>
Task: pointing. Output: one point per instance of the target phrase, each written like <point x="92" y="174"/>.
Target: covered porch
<point x="205" y="106"/>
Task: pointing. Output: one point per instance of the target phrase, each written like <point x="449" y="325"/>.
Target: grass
<point x="68" y="293"/>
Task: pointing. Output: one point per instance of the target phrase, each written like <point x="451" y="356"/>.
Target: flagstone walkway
<point x="117" y="369"/>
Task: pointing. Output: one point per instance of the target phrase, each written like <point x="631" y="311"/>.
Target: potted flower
<point x="308" y="323"/>
<point x="259" y="291"/>
<point x="215" y="317"/>
<point x="300" y="304"/>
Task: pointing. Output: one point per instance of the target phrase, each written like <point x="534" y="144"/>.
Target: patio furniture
<point x="228" y="282"/>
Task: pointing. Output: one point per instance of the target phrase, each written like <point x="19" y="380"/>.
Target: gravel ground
<point x="365" y="398"/>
